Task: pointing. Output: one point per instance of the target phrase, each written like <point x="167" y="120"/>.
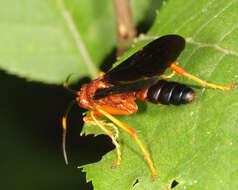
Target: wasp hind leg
<point x="182" y="72"/>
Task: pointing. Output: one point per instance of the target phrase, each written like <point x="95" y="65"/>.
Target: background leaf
<point x="46" y="40"/>
<point x="195" y="144"/>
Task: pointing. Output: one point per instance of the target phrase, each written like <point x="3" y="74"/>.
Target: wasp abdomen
<point x="166" y="93"/>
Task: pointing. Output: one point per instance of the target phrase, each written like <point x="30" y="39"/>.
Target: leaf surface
<point x="47" y="40"/>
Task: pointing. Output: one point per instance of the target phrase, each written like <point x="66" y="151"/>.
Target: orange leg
<point x="168" y="76"/>
<point x="111" y="110"/>
<point x="131" y="132"/>
<point x="105" y="124"/>
<point x="182" y="72"/>
<point x="110" y="134"/>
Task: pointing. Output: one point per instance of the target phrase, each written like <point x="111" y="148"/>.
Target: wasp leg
<point x="110" y="134"/>
<point x="169" y="75"/>
<point x="115" y="129"/>
<point x="131" y="132"/>
<point x="106" y="124"/>
<point x="131" y="109"/>
<point x="182" y="72"/>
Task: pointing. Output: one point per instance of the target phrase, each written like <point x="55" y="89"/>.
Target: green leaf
<point x="194" y="144"/>
<point x="35" y="42"/>
<point x="47" y="40"/>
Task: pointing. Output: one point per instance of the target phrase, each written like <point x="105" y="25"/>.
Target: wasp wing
<point x="130" y="87"/>
<point x="151" y="60"/>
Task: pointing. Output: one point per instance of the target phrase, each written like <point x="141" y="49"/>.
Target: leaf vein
<point x="216" y="46"/>
<point x="191" y="41"/>
<point x="210" y="20"/>
<point x="190" y="55"/>
<point x="203" y="92"/>
<point x="194" y="16"/>
<point x="228" y="33"/>
<point x="79" y="42"/>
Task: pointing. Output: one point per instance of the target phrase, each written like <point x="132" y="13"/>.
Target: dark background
<point x="30" y="139"/>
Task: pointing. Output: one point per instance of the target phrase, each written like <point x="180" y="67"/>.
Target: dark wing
<point x="152" y="60"/>
<point x="130" y="87"/>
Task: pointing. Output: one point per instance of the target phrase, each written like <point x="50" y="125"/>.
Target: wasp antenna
<point x="64" y="127"/>
<point x="64" y="140"/>
<point x="66" y="84"/>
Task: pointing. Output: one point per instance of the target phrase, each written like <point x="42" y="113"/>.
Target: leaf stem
<point x="126" y="31"/>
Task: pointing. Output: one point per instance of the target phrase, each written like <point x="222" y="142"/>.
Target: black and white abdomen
<point x="165" y="92"/>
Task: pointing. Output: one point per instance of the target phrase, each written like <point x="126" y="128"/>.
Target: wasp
<point x="141" y="76"/>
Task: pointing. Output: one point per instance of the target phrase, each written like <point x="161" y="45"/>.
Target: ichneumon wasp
<point x="138" y="77"/>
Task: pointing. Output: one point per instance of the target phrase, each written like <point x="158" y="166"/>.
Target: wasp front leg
<point x="102" y="125"/>
<point x="92" y="122"/>
<point x="92" y="119"/>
